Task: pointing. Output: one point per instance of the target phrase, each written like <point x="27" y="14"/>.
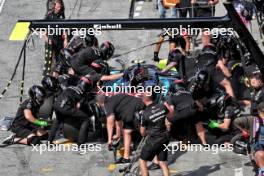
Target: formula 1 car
<point x="141" y="77"/>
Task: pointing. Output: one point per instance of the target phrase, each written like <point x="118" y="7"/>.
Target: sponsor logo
<point x="107" y="26"/>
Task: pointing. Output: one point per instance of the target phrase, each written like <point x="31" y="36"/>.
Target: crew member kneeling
<point x="26" y="125"/>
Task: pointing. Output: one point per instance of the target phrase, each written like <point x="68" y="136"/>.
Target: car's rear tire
<point x="239" y="144"/>
<point x="46" y="109"/>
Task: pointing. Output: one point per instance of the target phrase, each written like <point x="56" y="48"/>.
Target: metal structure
<point x="231" y="20"/>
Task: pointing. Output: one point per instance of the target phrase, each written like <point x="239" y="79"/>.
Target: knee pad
<point x="34" y="140"/>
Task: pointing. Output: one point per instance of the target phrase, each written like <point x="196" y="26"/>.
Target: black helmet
<point x="90" y="40"/>
<point x="75" y="44"/>
<point x="177" y="85"/>
<point x="107" y="50"/>
<point x="176" y="54"/>
<point x="85" y="83"/>
<point x="50" y="83"/>
<point x="202" y="78"/>
<point x="101" y="67"/>
<point x="138" y="75"/>
<point x="37" y="94"/>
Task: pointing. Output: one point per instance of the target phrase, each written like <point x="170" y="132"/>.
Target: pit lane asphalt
<point x="22" y="161"/>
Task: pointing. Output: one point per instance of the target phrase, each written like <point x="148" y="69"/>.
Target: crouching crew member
<point x="254" y="127"/>
<point x="70" y="105"/>
<point x="224" y="113"/>
<point x="81" y="61"/>
<point x="26" y="124"/>
<point x="181" y="102"/>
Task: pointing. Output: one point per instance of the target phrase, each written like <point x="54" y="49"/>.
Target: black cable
<point x="23" y="76"/>
<point x="15" y="70"/>
<point x="140" y="48"/>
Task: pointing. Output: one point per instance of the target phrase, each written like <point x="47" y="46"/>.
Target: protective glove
<point x="40" y="123"/>
<point x="245" y="134"/>
<point x="213" y="124"/>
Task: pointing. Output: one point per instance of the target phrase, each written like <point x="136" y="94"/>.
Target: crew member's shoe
<point x="9" y="140"/>
<point x="153" y="166"/>
<point x="123" y="161"/>
<point x="156" y="58"/>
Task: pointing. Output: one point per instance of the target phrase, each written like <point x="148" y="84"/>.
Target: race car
<point x="141" y="77"/>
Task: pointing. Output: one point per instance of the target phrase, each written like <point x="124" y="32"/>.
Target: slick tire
<point x="239" y="144"/>
<point x="46" y="109"/>
<point x="71" y="130"/>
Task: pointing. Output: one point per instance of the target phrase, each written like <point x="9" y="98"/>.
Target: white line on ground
<point x="2" y="5"/>
<point x="138" y="8"/>
<point x="239" y="171"/>
<point x="136" y="14"/>
<point x="140" y="2"/>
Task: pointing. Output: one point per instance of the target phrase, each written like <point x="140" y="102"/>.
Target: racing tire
<point x="46" y="109"/>
<point x="71" y="130"/>
<point x="240" y="144"/>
